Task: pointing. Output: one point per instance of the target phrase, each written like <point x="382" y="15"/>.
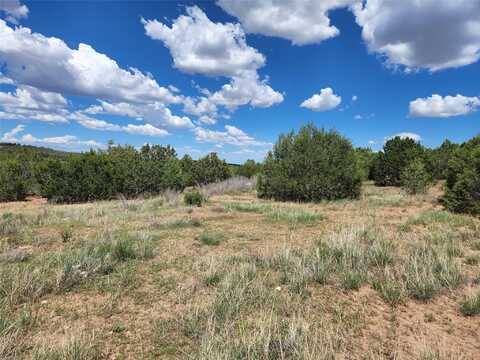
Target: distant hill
<point x="9" y="150"/>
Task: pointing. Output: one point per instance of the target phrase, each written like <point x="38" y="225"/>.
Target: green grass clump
<point x="101" y="257"/>
<point x="470" y="306"/>
<point x="390" y="289"/>
<point x="211" y="239"/>
<point x="257" y="208"/>
<point x="11" y="225"/>
<point x="427" y="271"/>
<point x="76" y="349"/>
<point x="293" y="215"/>
<point x="439" y="217"/>
<point x="180" y="224"/>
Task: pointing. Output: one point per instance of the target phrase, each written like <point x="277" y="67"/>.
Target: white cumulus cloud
<point x="49" y="64"/>
<point x="13" y="10"/>
<point x="29" y="103"/>
<point x="300" y="21"/>
<point x="422" y="34"/>
<point x="406" y="135"/>
<point x="70" y="142"/>
<point x="324" y="101"/>
<point x="102" y="125"/>
<point x="201" y="46"/>
<point x="232" y="136"/>
<point x="442" y="107"/>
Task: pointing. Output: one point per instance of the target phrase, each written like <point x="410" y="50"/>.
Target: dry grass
<point x="388" y="276"/>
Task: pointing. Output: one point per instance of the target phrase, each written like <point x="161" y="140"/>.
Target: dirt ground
<point x="140" y="310"/>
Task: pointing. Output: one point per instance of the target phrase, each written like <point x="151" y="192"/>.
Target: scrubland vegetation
<point x="366" y="256"/>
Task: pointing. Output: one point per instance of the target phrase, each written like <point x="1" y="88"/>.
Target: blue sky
<point x="230" y="76"/>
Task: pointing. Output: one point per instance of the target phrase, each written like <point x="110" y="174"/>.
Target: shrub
<point x="13" y="182"/>
<point x="397" y="154"/>
<point x="249" y="169"/>
<point x="312" y="165"/>
<point x="193" y="198"/>
<point x="414" y="178"/>
<point x="462" y="193"/>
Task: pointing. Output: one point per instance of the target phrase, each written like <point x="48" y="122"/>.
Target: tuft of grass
<point x="180" y="224"/>
<point x="351" y="280"/>
<point x="472" y="260"/>
<point x="211" y="238"/>
<point x="288" y="214"/>
<point x="76" y="349"/>
<point x="256" y="207"/>
<point x="20" y="284"/>
<point x="427" y="271"/>
<point x="101" y="257"/>
<point x="12" y="225"/>
<point x="470" y="306"/>
<point x="293" y="215"/>
<point x="390" y="289"/>
<point x="440" y="217"/>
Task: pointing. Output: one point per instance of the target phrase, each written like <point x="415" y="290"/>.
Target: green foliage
<point x="211" y="239"/>
<point x="206" y="170"/>
<point x="312" y="165"/>
<point x="249" y="169"/>
<point x="365" y="160"/>
<point x="462" y="193"/>
<point x="397" y="154"/>
<point x="193" y="198"/>
<point x="436" y="160"/>
<point x="415" y="178"/>
<point x="470" y="306"/>
<point x="13" y="183"/>
<point x="27" y="157"/>
<point x="104" y="175"/>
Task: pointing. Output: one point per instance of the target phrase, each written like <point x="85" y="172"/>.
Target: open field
<point x="388" y="276"/>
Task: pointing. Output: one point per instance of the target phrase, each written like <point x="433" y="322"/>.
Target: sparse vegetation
<point x="236" y="278"/>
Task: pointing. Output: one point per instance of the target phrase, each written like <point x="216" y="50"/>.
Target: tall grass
<point x="233" y="185"/>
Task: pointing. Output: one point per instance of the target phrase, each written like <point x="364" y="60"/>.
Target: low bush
<point x="193" y="198"/>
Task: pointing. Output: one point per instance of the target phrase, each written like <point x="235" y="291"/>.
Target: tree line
<point x="101" y="175"/>
<point x="311" y="165"/>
